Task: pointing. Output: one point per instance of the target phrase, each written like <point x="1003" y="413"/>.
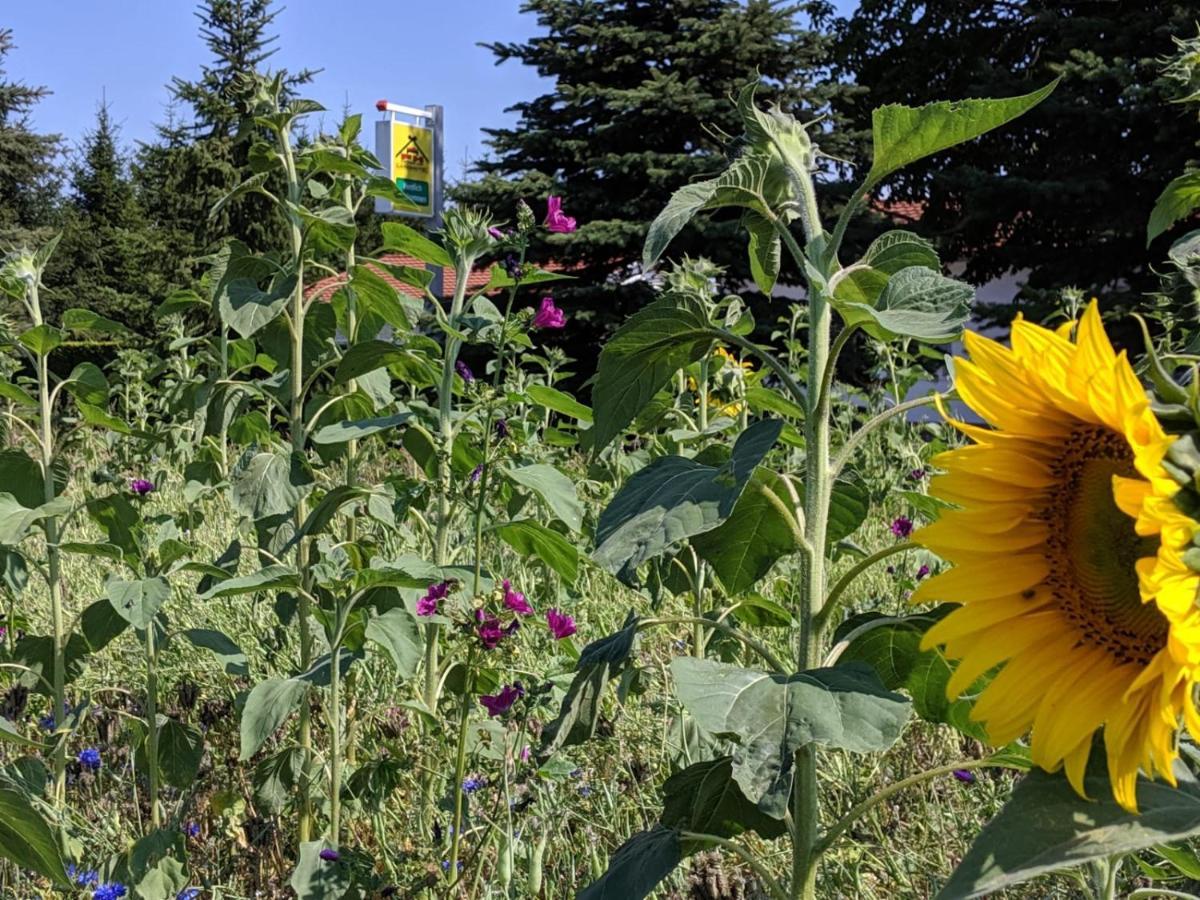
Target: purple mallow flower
<point x="966" y="776"/>
<point x="561" y="625"/>
<point x="90" y="759"/>
<point x="497" y="233"/>
<point x="512" y="267"/>
<point x="476" y="473"/>
<point x="917" y="474"/>
<point x="500" y="703"/>
<point x="489" y="630"/>
<point x="464" y="371"/>
<point x="549" y="315"/>
<point x="556" y="219"/>
<point x="141" y="486"/>
<point x="902" y="526"/>
<point x="515" y="600"/>
<point x="434" y="594"/>
<point x="922" y="572"/>
<point x="502" y="428"/>
<point x="329" y="855"/>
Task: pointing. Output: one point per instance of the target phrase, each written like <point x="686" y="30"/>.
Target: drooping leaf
<point x="101" y="624"/>
<point x="22" y="477"/>
<point x="90" y="322"/>
<point x="227" y="653"/>
<point x="1178" y="199"/>
<point x="555" y="488"/>
<point x="904" y="134"/>
<point x="760" y="531"/>
<point x="269" y="578"/>
<point x="397" y="632"/>
<point x="641" y="357"/>
<point x="138" y="601"/>
<point x="600" y="662"/>
<point x="400" y="238"/>
<point x="559" y="402"/>
<point x="917" y="303"/>
<point x="1046" y="826"/>
<point x="269" y="484"/>
<point x="247" y="308"/>
<point x="531" y="538"/>
<point x="675" y="498"/>
<point x="898" y="249"/>
<point x="771" y="716"/>
<point x="268" y="705"/>
<point x="638" y="866"/>
<point x="705" y="798"/>
<point x="180" y="749"/>
<point x="27" y="840"/>
<point x="765" y="250"/>
<point x="344" y="432"/>
<point x="42" y="339"/>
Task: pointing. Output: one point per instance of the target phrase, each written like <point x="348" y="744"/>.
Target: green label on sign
<point x="416" y="191"/>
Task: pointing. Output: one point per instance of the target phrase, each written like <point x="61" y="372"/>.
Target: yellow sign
<point x="412" y="164"/>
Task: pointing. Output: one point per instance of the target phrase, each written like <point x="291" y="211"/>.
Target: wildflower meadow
<point x="337" y="587"/>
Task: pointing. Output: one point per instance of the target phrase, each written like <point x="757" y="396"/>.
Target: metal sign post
<point x="411" y="153"/>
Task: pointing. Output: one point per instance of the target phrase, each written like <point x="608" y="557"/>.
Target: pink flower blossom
<point x="561" y="625"/>
<point x="489" y="630"/>
<point x="556" y="220"/>
<point x="549" y="315"/>
<point x="500" y="703"/>
<point x="428" y="605"/>
<point x="516" y="601"/>
<point x="902" y="526"/>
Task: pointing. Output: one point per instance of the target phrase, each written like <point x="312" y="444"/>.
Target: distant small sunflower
<point x="1068" y="557"/>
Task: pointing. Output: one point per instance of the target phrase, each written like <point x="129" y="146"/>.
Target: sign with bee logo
<point x="412" y="164"/>
<point x="408" y="144"/>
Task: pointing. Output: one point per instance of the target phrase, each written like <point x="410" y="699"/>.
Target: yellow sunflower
<point x="1068" y="557"/>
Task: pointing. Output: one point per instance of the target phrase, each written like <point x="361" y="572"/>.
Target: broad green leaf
<point x="42" y="339"/>
<point x="600" y="662"/>
<point x="344" y="432"/>
<point x="246" y="308"/>
<point x="746" y="183"/>
<point x="397" y="632"/>
<point x="101" y="624"/>
<point x="892" y="649"/>
<point x="316" y="879"/>
<point x="401" y="238"/>
<point x="89" y="322"/>
<point x="849" y="504"/>
<point x="499" y="278"/>
<point x="102" y="418"/>
<point x="772" y="716"/>
<point x="531" y="538"/>
<point x="22" y="476"/>
<point x="559" y="402"/>
<point x="374" y="295"/>
<point x="916" y="303"/>
<point x="640" y="359"/>
<point x="16" y="520"/>
<point x="765" y="250"/>
<point x="179" y="302"/>
<point x="1046" y="826"/>
<point x="555" y="488"/>
<point x="166" y="881"/>
<point x="87" y="384"/>
<point x="1179" y="199"/>
<point x="268" y="705"/>
<point x="269" y="484"/>
<point x="896" y="250"/>
<point x="275" y="778"/>
<point x="705" y="798"/>
<point x="269" y="578"/>
<point x="138" y="601"/>
<point x="675" y="498"/>
<point x="16" y="394"/>
<point x="180" y="749"/>
<point x="758" y="532"/>
<point x="227" y="653"/>
<point x="368" y="356"/>
<point x="904" y="134"/>
<point x="27" y="840"/>
<point x="638" y="866"/>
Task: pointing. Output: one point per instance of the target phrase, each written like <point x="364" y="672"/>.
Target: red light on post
<point x="381" y="105"/>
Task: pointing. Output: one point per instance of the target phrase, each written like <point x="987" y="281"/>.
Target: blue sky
<point x="413" y="51"/>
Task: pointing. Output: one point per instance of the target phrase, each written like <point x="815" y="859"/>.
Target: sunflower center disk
<point x="1093" y="549"/>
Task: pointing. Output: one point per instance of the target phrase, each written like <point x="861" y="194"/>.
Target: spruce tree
<point x="1064" y="192"/>
<point x="28" y="178"/>
<point x="108" y="255"/>
<point x="640" y="105"/>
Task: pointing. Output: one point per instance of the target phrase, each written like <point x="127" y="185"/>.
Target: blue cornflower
<point x="82" y="877"/>
<point x="576" y="774"/>
<point x="46" y="722"/>
<point x="112" y="890"/>
<point x="473" y="783"/>
<point x="193" y="829"/>
<point x="90" y="759"/>
<point x="585" y="791"/>
<point x="446" y="865"/>
<point x="329" y="855"/>
<point x="188" y="894"/>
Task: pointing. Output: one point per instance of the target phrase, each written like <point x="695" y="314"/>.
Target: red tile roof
<point x="328" y="286"/>
<point x="900" y="211"/>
